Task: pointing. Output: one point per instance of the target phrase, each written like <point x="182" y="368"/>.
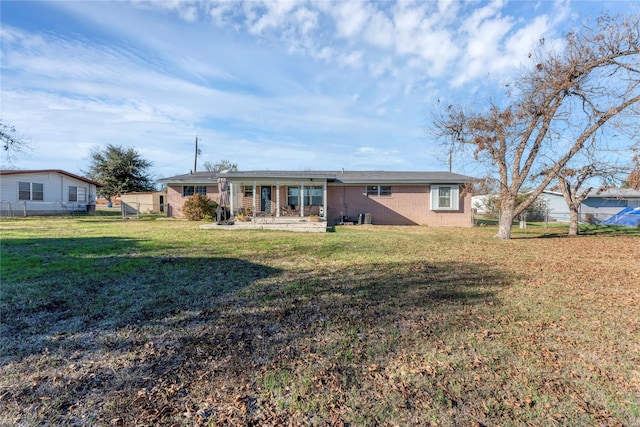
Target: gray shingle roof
<point x="616" y="193"/>
<point x="340" y="177"/>
<point x="191" y="178"/>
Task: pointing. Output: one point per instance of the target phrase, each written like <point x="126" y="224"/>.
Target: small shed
<point x="143" y="202"/>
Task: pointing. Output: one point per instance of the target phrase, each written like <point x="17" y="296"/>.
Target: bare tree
<point x="575" y="184"/>
<point x="13" y="144"/>
<point x="556" y="106"/>
<point x="633" y="179"/>
<point x="222" y="165"/>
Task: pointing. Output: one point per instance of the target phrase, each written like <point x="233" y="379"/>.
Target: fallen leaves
<point x="448" y="332"/>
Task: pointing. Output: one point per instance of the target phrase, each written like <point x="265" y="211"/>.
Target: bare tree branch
<point x="558" y="106"/>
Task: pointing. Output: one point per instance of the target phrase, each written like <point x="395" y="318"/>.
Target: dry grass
<point x="110" y="322"/>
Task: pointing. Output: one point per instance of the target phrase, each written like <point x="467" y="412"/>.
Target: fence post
<point x="138" y="210"/>
<point x="25" y="209"/>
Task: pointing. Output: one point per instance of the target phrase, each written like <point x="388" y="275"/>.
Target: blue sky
<point x="293" y="85"/>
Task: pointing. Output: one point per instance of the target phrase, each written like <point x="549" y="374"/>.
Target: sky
<point x="268" y="85"/>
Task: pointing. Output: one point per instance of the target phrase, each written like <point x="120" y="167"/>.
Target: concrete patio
<point x="288" y="223"/>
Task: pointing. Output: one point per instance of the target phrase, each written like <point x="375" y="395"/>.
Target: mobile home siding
<point x="55" y="193"/>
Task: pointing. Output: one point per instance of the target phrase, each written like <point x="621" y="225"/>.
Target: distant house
<point x="378" y="197"/>
<point x="45" y="192"/>
<point x="143" y="202"/>
<point x="552" y="201"/>
<point x="601" y="205"/>
<point x="556" y="206"/>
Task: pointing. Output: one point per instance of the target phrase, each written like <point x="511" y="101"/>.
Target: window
<point x="190" y="190"/>
<point x="444" y="197"/>
<point x="248" y="191"/>
<point x="385" y="190"/>
<point x="313" y="196"/>
<point x="292" y="196"/>
<point x="77" y="194"/>
<point x="37" y="191"/>
<point x="24" y="191"/>
<point x="378" y="190"/>
<point x="30" y="191"/>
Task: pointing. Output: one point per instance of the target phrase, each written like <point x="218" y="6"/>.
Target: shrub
<point x="198" y="207"/>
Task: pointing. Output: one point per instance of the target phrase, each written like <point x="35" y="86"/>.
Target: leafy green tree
<point x="222" y="165"/>
<point x="120" y="170"/>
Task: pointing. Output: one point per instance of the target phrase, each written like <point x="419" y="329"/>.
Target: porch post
<point x="253" y="206"/>
<point x="324" y="199"/>
<point x="277" y="200"/>
<point x="301" y="199"/>
<point x="231" y="194"/>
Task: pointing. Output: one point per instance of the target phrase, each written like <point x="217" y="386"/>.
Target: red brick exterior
<point x="407" y="205"/>
<point x="175" y="199"/>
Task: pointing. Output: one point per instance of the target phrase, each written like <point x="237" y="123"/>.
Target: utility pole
<point x="195" y="160"/>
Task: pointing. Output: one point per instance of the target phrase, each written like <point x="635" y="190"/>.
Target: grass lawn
<point x="107" y="321"/>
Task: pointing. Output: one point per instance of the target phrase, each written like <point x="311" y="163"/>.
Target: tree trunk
<point x="506" y="219"/>
<point x="574" y="218"/>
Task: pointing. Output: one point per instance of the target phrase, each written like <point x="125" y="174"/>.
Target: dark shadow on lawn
<point x="54" y="289"/>
<point x="221" y="324"/>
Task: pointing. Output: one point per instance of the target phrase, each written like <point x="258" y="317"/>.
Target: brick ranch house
<point x="390" y="198"/>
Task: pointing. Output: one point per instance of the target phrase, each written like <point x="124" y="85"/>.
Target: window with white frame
<point x="445" y="197"/>
<point x="190" y="190"/>
<point x="30" y="191"/>
<point x="77" y="194"/>
<point x="248" y="191"/>
<point x="378" y="190"/>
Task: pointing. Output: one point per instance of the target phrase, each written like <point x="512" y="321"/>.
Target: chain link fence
<point x="24" y="209"/>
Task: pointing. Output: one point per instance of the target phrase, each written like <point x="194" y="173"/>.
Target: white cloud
<point x="379" y="31"/>
<point x="352" y="59"/>
<point x="295" y="77"/>
<point x="276" y="14"/>
<point x="350" y="17"/>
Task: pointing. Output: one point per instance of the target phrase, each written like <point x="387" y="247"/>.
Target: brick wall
<point x="175" y="200"/>
<point x="407" y="205"/>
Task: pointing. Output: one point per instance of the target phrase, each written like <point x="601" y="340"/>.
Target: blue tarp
<point x="629" y="217"/>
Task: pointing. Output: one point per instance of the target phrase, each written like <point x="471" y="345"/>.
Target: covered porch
<point x="271" y="196"/>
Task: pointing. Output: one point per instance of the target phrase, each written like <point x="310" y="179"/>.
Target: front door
<point x="265" y="199"/>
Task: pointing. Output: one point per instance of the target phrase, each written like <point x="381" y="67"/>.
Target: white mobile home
<point x="45" y="192"/>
